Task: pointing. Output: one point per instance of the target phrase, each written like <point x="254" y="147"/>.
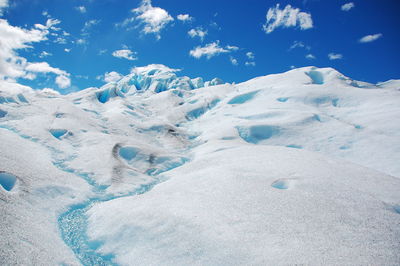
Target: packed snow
<point x="156" y="169"/>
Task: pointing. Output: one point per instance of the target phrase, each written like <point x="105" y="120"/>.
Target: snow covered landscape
<point x="169" y="132"/>
<point x="156" y="169"/>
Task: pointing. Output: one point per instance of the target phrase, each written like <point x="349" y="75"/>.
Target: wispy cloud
<point x="250" y="64"/>
<point x="370" y="38"/>
<point x="348" y="6"/>
<point x="299" y="44"/>
<point x="88" y="26"/>
<point x="3" y="5"/>
<point x="310" y="56"/>
<point x="333" y="56"/>
<point x="81" y="9"/>
<point x="250" y="55"/>
<point x="287" y="17"/>
<point x="198" y="32"/>
<point x="233" y="60"/>
<point x="125" y="53"/>
<point x="45" y="54"/>
<point x="211" y="50"/>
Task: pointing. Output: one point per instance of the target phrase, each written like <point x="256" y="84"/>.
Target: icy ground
<point x="155" y="169"/>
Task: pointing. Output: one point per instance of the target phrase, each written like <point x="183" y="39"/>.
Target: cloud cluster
<point x="370" y="38"/>
<point x="198" y="32"/>
<point x="125" y="53"/>
<point x="211" y="49"/>
<point x="13" y="66"/>
<point x="154" y="19"/>
<point x="285" y="18"/>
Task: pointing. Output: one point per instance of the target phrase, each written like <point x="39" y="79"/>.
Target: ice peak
<point x="154" y="78"/>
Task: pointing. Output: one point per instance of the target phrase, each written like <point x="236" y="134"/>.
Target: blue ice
<point x="7" y="180"/>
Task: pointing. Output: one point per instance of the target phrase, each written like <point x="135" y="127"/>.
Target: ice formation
<point x="156" y="169"/>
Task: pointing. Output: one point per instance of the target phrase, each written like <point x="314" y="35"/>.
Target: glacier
<point x="156" y="169"/>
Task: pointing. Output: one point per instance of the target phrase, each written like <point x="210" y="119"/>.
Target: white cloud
<point x="287" y="17"/>
<point x="63" y="81"/>
<point x="45" y="54"/>
<point x="348" y="6"/>
<point x="210" y="50"/>
<point x="44" y="67"/>
<point x="147" y="68"/>
<point x="51" y="22"/>
<point x="198" y="32"/>
<point x="81" y="9"/>
<point x="12" y="39"/>
<point x="60" y="40"/>
<point x="102" y="51"/>
<point x="81" y="41"/>
<point x="88" y="25"/>
<point x="299" y="44"/>
<point x="67" y="50"/>
<point x="370" y="38"/>
<point x="234" y="61"/>
<point x="184" y="17"/>
<point x="125" y="53"/>
<point x="153" y="18"/>
<point x="3" y="5"/>
<point x="310" y="56"/>
<point x="333" y="56"/>
<point x="50" y="91"/>
<point x="250" y="55"/>
<point x="13" y="66"/>
<point x="250" y="64"/>
<point x="112" y="76"/>
<point x="232" y="47"/>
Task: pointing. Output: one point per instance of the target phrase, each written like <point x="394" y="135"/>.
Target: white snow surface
<point x="154" y="169"/>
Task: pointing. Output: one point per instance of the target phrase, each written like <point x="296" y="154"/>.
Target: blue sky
<point x="74" y="44"/>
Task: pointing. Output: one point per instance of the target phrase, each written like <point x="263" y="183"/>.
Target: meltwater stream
<point x="73" y="223"/>
<point x="73" y="226"/>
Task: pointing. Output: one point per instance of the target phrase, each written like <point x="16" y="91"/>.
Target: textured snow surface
<point x="156" y="169"/>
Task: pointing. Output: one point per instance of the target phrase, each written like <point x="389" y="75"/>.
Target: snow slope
<point x="293" y="168"/>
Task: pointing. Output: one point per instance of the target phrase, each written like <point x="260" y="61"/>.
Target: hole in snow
<point x="128" y="153"/>
<point x="58" y="133"/>
<point x="7" y="180"/>
<point x="255" y="134"/>
<point x="282" y="183"/>
<point x="22" y="98"/>
<point x="282" y="99"/>
<point x="316" y="77"/>
<point x="294" y="146"/>
<point x="243" y="98"/>
<point x="103" y="96"/>
<point x="196" y="113"/>
<point x="2" y="113"/>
